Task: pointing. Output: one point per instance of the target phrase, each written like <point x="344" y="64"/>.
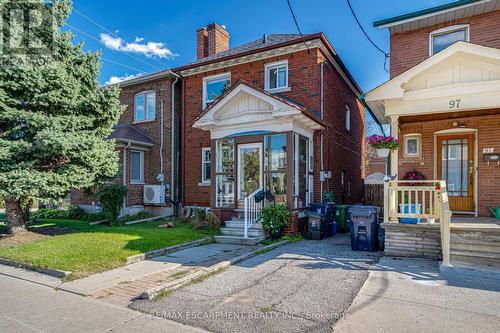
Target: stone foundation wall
<point x="412" y="240"/>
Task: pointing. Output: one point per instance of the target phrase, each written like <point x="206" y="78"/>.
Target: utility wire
<point x="114" y="34"/>
<point x="297" y="24"/>
<point x="97" y="39"/>
<point x="386" y="54"/>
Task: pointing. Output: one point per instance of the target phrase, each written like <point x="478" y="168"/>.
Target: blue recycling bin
<point x="363" y="223"/>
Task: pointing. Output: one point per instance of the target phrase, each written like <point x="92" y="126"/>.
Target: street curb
<point x="171" y="286"/>
<point x="47" y="271"/>
<point x="168" y="250"/>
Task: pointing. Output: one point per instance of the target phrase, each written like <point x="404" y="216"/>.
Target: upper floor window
<point x="442" y="38"/>
<point x="145" y="106"/>
<point x="276" y="76"/>
<point x="347" y="118"/>
<point x="214" y="86"/>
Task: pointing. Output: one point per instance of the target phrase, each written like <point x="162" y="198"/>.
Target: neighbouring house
<point x="146" y="135"/>
<point x="280" y="113"/>
<point x="443" y="103"/>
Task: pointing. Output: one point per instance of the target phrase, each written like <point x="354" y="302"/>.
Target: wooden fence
<point x="374" y="195"/>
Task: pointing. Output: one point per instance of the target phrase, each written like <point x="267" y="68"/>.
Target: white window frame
<point x="267" y="81"/>
<point x="204" y="180"/>
<point x="347" y="120"/>
<point x="445" y="31"/>
<point x="218" y="77"/>
<point x="145" y="93"/>
<point x="141" y="167"/>
<point x="407" y="137"/>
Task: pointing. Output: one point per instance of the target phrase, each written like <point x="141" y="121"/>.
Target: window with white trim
<point x="442" y="38"/>
<point x="348" y="118"/>
<point x="276" y="76"/>
<point x="206" y="166"/>
<point x="145" y="106"/>
<point x="214" y="86"/>
<point x="412" y="144"/>
<point x="137" y="167"/>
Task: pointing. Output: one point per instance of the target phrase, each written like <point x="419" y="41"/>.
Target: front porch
<point x="260" y="142"/>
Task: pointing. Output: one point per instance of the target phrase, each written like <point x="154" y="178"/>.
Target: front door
<point x="455" y="164"/>
<point x="249" y="169"/>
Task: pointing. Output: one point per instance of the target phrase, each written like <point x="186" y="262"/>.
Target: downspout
<point x="161" y="176"/>
<point x="124" y="178"/>
<point x="321" y="138"/>
<point x="172" y="139"/>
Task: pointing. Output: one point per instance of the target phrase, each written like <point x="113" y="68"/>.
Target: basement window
<point x="442" y="38"/>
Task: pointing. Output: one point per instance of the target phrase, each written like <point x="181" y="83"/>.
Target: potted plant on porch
<point x="383" y="144"/>
<point x="274" y="219"/>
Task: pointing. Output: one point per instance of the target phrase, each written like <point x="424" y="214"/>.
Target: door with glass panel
<point x="455" y="157"/>
<point x="249" y="169"/>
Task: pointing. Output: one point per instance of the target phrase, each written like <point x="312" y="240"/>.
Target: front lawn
<point x="85" y="249"/>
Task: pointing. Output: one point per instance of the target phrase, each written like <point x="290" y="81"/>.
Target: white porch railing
<point x="253" y="210"/>
<point x="422" y="199"/>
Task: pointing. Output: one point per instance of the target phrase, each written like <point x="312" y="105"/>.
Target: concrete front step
<point x="238" y="240"/>
<point x="241" y="224"/>
<point x="241" y="232"/>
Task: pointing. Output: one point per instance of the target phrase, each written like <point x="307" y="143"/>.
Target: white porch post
<point x="394" y="153"/>
<point x="392" y="199"/>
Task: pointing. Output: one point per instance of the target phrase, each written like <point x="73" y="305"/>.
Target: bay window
<point x="275" y="166"/>
<point x="224" y="174"/>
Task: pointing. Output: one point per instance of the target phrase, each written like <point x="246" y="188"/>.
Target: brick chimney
<point x="211" y="39"/>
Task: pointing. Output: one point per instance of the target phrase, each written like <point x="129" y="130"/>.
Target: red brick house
<point x="146" y="136"/>
<point x="280" y="113"/>
<point x="443" y="103"/>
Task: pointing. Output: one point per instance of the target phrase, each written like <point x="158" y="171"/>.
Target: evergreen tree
<point x="54" y="117"/>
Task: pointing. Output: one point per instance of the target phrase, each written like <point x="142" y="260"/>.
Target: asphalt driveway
<point x="304" y="286"/>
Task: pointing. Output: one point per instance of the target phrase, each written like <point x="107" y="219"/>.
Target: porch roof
<point x="463" y="71"/>
<point x="128" y="133"/>
<point x="244" y="103"/>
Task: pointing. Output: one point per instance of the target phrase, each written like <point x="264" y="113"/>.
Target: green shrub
<point x="275" y="217"/>
<point x="111" y="197"/>
<point x="49" y="214"/>
<point x="73" y="213"/>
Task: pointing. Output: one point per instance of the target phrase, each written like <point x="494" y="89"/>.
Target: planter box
<point x="383" y="152"/>
<point x="410" y="208"/>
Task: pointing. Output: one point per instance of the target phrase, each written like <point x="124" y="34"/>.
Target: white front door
<point x="249" y="169"/>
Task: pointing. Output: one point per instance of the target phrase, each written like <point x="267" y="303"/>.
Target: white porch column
<point x="394" y="153"/>
<point x="392" y="209"/>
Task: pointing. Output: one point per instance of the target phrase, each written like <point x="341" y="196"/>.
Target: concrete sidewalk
<point x="35" y="307"/>
<point x="410" y="295"/>
<point x="119" y="286"/>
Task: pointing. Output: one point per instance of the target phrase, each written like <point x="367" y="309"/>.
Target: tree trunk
<point x="16" y="222"/>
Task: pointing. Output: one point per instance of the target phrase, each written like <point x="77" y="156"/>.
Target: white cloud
<point x="149" y="49"/>
<point x="118" y="79"/>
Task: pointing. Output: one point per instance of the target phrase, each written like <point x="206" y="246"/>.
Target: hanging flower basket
<point x="383" y="144"/>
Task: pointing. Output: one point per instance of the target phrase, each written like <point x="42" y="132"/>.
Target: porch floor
<point x="475" y="221"/>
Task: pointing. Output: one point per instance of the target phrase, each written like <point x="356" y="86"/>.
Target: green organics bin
<point x="341" y="218"/>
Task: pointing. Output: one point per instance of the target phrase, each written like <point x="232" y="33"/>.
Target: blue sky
<point x="166" y="30"/>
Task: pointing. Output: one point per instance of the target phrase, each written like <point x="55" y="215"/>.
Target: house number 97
<point x="455" y="103"/>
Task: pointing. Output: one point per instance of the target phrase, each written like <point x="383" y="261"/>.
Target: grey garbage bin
<point x="363" y="222"/>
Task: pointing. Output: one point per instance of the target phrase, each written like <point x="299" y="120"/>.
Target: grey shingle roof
<point x="130" y="133"/>
<point x="251" y="46"/>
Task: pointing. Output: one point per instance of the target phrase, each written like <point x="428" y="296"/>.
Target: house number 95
<point x="455" y="103"/>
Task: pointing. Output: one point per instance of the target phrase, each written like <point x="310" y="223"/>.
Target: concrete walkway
<point x="31" y="304"/>
<point x="410" y="295"/>
<point x="121" y="285"/>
